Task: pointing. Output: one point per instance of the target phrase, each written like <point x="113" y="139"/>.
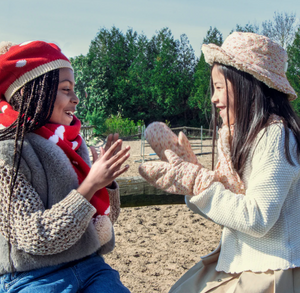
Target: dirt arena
<point x="155" y="245"/>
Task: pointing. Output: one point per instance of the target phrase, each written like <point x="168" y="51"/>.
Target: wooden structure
<point x="87" y="132"/>
<point x="136" y="191"/>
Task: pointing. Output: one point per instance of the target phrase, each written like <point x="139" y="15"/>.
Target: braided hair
<point x="35" y="104"/>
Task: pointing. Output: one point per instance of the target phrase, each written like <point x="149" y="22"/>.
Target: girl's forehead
<point x="66" y="74"/>
<point x="217" y="74"/>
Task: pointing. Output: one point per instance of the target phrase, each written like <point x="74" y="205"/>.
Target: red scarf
<point x="69" y="140"/>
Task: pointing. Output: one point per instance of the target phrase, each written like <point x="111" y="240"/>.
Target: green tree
<point x="248" y="28"/>
<point x="133" y="77"/>
<point x="200" y="94"/>
<point x="109" y="52"/>
<point x="186" y="70"/>
<point x="139" y="81"/>
<point x="161" y="76"/>
<point x="293" y="72"/>
<point x="172" y="75"/>
<point x="213" y="36"/>
<point x="79" y="64"/>
<point x="92" y="92"/>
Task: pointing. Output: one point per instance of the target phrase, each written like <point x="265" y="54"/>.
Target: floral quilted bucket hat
<point x="256" y="55"/>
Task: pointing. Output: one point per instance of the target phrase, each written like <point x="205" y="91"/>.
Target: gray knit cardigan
<point x="50" y="222"/>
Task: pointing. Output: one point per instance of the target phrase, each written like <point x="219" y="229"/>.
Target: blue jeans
<point x="89" y="275"/>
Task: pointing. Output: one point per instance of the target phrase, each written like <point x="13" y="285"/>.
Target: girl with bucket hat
<point x="56" y="210"/>
<point x="254" y="191"/>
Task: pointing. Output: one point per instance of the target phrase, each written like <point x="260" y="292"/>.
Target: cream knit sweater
<point x="262" y="228"/>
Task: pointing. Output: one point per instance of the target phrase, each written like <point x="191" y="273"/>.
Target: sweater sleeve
<point x="268" y="186"/>
<point x="32" y="228"/>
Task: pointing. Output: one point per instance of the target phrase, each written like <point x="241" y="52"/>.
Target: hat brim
<point x="30" y="75"/>
<point x="213" y="53"/>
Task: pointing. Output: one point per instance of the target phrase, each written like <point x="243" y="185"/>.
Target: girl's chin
<point x="224" y="119"/>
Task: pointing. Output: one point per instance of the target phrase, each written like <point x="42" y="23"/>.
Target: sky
<point x="73" y="24"/>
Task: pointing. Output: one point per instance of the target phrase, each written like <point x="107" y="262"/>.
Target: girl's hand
<point x="105" y="169"/>
<point x="111" y="139"/>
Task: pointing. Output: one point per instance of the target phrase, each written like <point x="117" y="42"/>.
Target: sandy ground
<point x="155" y="245"/>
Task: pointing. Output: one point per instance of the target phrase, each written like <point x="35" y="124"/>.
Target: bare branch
<point x="282" y="29"/>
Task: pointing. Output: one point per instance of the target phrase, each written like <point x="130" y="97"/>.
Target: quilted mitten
<point x="176" y="175"/>
<point x="180" y="177"/>
<point x="103" y="227"/>
<point x="161" y="138"/>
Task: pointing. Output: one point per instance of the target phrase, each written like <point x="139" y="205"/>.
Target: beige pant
<point x="203" y="278"/>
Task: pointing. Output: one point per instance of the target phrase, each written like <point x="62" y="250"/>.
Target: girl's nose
<point x="75" y="99"/>
<point x="214" y="99"/>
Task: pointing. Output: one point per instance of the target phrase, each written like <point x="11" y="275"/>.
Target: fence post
<point x="143" y="143"/>
<point x="201" y="137"/>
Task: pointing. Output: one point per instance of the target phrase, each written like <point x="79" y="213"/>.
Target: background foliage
<point x="128" y="79"/>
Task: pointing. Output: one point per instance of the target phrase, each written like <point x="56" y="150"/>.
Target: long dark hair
<point x="35" y="103"/>
<point x="254" y="103"/>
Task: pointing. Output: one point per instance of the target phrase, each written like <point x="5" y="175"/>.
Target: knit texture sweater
<point x="50" y="222"/>
<point x="261" y="229"/>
